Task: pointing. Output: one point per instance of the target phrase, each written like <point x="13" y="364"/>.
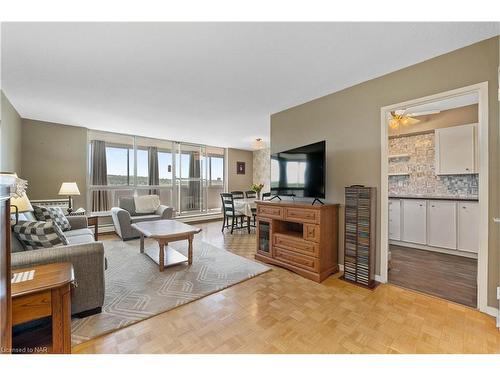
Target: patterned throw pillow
<point x="39" y="234"/>
<point x="52" y="213"/>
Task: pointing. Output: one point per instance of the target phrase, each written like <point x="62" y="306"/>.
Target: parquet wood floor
<point x="280" y="312"/>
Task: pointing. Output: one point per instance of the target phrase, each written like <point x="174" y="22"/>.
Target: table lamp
<point x="21" y="204"/>
<point x="18" y="198"/>
<point x="69" y="189"/>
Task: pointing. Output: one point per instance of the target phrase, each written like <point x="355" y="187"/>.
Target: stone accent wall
<point x="420" y="165"/>
<point x="262" y="168"/>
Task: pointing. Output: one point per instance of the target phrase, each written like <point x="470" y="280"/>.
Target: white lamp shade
<point x="23" y="203"/>
<point x="69" y="188"/>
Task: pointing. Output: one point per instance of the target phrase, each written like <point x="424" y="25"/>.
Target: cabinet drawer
<point x="269" y="211"/>
<point x="296" y="244"/>
<point x="31" y="306"/>
<point x="311" y="232"/>
<point x="303" y="215"/>
<point x="297" y="260"/>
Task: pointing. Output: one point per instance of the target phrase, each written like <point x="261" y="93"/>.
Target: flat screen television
<point x="300" y="172"/>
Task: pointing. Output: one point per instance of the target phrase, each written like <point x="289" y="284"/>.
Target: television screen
<point x="299" y="172"/>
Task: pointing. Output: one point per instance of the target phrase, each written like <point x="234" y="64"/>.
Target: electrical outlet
<point x="498" y="292"/>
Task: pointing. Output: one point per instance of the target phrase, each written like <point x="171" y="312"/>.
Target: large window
<point x="187" y="177"/>
<point x="165" y="167"/>
<point x="120" y="165"/>
<point x="182" y="164"/>
<point x="142" y="167"/>
<point x="216" y="170"/>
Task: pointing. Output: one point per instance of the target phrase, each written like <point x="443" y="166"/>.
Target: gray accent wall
<point x="10" y="138"/>
<point x="53" y="154"/>
<point x="349" y="120"/>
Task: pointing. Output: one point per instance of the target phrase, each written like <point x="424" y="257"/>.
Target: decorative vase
<point x="258" y="195"/>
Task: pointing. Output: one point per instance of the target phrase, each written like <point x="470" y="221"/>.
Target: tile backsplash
<point x="421" y="178"/>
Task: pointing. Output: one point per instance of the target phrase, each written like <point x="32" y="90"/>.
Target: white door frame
<point x="481" y="89"/>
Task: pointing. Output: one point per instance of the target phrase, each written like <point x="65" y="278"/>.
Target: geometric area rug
<point x="136" y="290"/>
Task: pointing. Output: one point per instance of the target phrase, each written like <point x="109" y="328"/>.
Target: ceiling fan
<point x="403" y="117"/>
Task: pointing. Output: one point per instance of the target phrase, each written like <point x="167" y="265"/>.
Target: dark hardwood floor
<point x="447" y="276"/>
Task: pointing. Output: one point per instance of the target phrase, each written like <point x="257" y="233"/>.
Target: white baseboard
<point x="379" y="279"/>
<point x="200" y="218"/>
<point x="433" y="248"/>
<point x="493" y="312"/>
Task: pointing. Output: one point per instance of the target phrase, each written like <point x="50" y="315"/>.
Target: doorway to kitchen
<point x="434" y="196"/>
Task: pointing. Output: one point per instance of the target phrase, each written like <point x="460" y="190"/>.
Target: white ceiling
<point x="212" y="83"/>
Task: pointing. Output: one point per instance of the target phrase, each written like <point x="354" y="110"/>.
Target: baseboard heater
<point x="110" y="228"/>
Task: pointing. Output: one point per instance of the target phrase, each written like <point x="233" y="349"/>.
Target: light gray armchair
<point x="125" y="215"/>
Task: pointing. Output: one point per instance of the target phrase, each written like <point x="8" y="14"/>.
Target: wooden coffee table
<point x="165" y="231"/>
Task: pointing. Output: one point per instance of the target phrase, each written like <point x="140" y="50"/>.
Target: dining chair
<point x="250" y="194"/>
<point x="238" y="195"/>
<point x="229" y="212"/>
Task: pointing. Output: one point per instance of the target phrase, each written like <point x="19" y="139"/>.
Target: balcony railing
<point x="178" y="197"/>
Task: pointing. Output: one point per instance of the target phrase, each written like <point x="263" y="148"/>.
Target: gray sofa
<point x="125" y="215"/>
<point x="87" y="257"/>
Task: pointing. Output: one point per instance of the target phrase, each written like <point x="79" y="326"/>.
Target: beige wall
<point x="444" y="119"/>
<point x="239" y="181"/>
<point x="54" y="153"/>
<point x="349" y="120"/>
<point x="10" y="138"/>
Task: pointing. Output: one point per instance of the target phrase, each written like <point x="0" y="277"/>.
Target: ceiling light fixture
<point x="258" y="144"/>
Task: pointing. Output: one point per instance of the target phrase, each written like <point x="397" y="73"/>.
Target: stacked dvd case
<point x="360" y="229"/>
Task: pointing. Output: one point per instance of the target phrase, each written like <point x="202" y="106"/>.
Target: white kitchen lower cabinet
<point x="442" y="224"/>
<point x="468" y="226"/>
<point x="395" y="219"/>
<point x="414" y="221"/>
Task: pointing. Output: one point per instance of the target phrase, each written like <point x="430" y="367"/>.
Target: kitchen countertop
<point x="470" y="199"/>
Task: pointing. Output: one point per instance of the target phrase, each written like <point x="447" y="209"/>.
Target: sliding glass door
<point x="190" y="179"/>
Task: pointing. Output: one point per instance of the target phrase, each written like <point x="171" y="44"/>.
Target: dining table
<point x="245" y="206"/>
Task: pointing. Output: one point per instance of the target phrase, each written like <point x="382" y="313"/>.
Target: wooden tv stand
<point x="298" y="236"/>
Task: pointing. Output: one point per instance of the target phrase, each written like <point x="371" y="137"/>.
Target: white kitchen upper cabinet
<point x="414" y="221"/>
<point x="442" y="224"/>
<point x="395" y="219"/>
<point x="468" y="226"/>
<point x="456" y="150"/>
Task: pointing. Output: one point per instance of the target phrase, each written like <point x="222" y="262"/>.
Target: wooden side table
<point x="94" y="220"/>
<point x="47" y="294"/>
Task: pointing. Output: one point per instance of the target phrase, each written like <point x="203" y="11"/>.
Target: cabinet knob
<point x="466" y="169"/>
